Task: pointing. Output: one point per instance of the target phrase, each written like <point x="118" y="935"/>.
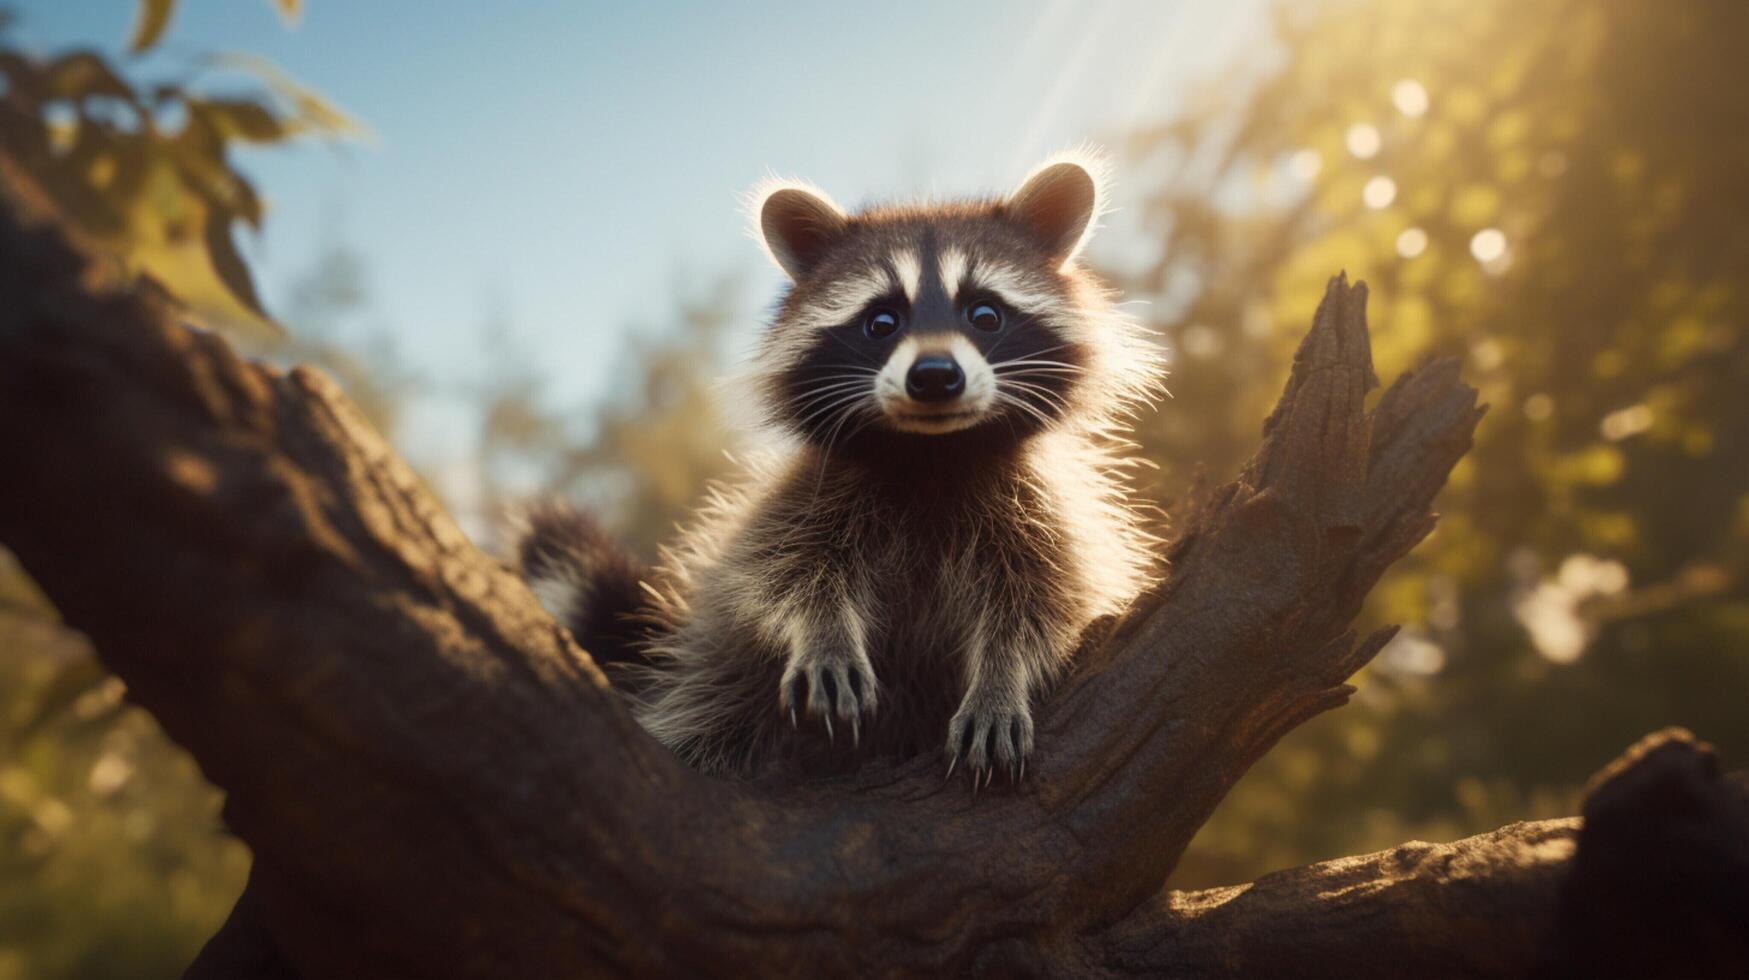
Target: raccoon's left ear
<point x="1059" y="203"/>
<point x="797" y="224"/>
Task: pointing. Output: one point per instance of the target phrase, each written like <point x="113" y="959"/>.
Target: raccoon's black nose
<point x="935" y="378"/>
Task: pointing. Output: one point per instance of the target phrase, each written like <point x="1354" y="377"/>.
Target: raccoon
<point x="952" y="514"/>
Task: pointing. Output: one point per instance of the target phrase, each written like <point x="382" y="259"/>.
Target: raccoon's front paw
<point x="827" y="685"/>
<point x="987" y="733"/>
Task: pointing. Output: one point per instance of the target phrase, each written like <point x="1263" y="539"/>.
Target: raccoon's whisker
<point x="867" y="419"/>
<point x="827" y="384"/>
<point x="834" y="414"/>
<point x="1036" y="362"/>
<point x="991" y="354"/>
<point x="1038" y="374"/>
<point x="1036" y="380"/>
<point x="807" y="410"/>
<point x="834" y="388"/>
<point x="1050" y="398"/>
<point x="841" y="402"/>
<point x="859" y="374"/>
<point x="844" y="416"/>
<point x="831" y="440"/>
<point x="1040" y="394"/>
<point x="1008" y="399"/>
<point x="825" y="417"/>
<point x="853" y="370"/>
<point x="1028" y="410"/>
<point x="1036" y="353"/>
<point x="1025" y="383"/>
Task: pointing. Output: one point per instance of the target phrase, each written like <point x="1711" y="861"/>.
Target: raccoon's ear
<point x="1059" y="203"/>
<point x="797" y="224"/>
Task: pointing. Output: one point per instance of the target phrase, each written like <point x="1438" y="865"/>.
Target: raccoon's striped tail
<point x="586" y="579"/>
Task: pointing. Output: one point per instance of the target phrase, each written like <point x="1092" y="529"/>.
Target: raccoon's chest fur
<point x="920" y="555"/>
<point x="932" y="557"/>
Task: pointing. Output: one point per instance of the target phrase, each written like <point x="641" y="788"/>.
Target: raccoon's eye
<point x="984" y="316"/>
<point x="880" y="324"/>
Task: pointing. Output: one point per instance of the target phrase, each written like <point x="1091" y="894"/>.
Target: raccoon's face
<point x="925" y="321"/>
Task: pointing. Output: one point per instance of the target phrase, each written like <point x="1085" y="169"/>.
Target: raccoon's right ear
<point x="797" y="224"/>
<point x="1061" y="201"/>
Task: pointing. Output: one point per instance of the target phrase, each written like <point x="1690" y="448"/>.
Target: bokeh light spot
<point x="1363" y="141"/>
<point x="1379" y="192"/>
<point x="1630" y="421"/>
<point x="1305" y="165"/>
<point x="1412" y="242"/>
<point x="1201" y="340"/>
<point x="1488" y="353"/>
<point x="1411" y="652"/>
<point x="1488" y="245"/>
<point x="1410" y="98"/>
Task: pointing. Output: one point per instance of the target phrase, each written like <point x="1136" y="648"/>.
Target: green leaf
<point x="318" y="113"/>
<point x="242" y="119"/>
<point x="179" y="232"/>
<point x="228" y="265"/>
<point x="154" y="17"/>
<point x="80" y="75"/>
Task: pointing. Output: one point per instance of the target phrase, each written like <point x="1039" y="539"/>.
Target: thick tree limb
<point x="435" y="781"/>
<point x="1653" y="882"/>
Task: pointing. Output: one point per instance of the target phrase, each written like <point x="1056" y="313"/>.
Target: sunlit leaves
<point x="1562" y="222"/>
<point x="154" y="17"/>
<point x="80" y="75"/>
<point x="148" y="173"/>
<point x="303" y="108"/>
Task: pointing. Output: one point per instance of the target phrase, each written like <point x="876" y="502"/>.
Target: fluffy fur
<point x="586" y="579"/>
<point x="919" y="567"/>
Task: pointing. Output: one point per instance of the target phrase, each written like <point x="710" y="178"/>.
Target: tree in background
<point x="1550" y="191"/>
<point x="653" y="447"/>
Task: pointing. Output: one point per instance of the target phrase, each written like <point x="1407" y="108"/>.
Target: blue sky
<point x="567" y="169"/>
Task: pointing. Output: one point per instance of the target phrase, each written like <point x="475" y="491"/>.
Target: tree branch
<point x="1653" y="882"/>
<point x="436" y="781"/>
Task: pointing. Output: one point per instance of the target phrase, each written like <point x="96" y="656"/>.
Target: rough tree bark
<point x="435" y="781"/>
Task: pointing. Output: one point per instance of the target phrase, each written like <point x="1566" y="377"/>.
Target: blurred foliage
<point x="329" y="308"/>
<point x="656" y="441"/>
<point x="144" y="170"/>
<point x="113" y="861"/>
<point x="1551" y="192"/>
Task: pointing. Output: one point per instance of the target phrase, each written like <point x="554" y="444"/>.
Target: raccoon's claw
<point x="990" y="737"/>
<point x="825" y="687"/>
